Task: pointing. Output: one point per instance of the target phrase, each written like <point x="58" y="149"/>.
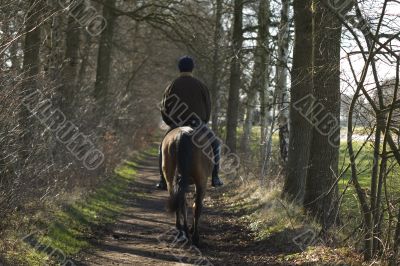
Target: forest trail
<point x="139" y="235"/>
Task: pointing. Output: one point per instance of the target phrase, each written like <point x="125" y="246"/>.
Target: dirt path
<point x="141" y="236"/>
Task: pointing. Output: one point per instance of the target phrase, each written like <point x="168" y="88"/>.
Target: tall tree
<point x="55" y="45"/>
<point x="31" y="67"/>
<point x="301" y="86"/>
<point x="70" y="72"/>
<point x="215" y="91"/>
<point x="259" y="79"/>
<point x="281" y="79"/>
<point x="31" y="59"/>
<point x="321" y="184"/>
<point x="235" y="76"/>
<point x="104" y="59"/>
<point x="53" y="67"/>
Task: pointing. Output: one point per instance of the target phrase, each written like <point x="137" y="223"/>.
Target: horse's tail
<point x="184" y="159"/>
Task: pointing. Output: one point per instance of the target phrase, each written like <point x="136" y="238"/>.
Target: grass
<point x="60" y="234"/>
<point x="283" y="226"/>
<point x="364" y="162"/>
<point x="364" y="165"/>
<point x="272" y="217"/>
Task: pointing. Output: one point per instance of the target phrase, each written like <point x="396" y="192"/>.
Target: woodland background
<point x="304" y="91"/>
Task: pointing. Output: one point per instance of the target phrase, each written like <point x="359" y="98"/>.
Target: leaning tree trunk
<point x="104" y="60"/>
<point x="300" y="129"/>
<point x="215" y="90"/>
<point x="235" y="77"/>
<point x="281" y="81"/>
<point x="259" y="80"/>
<point x="321" y="195"/>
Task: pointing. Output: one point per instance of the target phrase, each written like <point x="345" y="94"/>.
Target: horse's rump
<point x="187" y="150"/>
<point x="187" y="159"/>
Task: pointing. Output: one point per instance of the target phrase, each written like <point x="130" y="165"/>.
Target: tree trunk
<point x="300" y="129"/>
<point x="321" y="195"/>
<point x="248" y="121"/>
<point x="71" y="68"/>
<point x="235" y="76"/>
<point x="55" y="49"/>
<point x="53" y="66"/>
<point x="31" y="68"/>
<point x="104" y="59"/>
<point x="268" y="142"/>
<point x="215" y="90"/>
<point x="259" y="80"/>
<point x="32" y="40"/>
<point x="281" y="81"/>
<point x="265" y="106"/>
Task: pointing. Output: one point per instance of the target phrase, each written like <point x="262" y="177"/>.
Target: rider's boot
<point x="215" y="181"/>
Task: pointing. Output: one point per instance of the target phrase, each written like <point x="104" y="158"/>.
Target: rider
<point x="196" y="98"/>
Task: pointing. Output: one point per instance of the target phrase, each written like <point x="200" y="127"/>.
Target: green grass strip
<point x="70" y="229"/>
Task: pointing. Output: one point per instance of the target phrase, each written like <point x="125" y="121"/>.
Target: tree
<point x="259" y="79"/>
<point x="301" y="86"/>
<point x="31" y="60"/>
<point x="104" y="59"/>
<point x="70" y="72"/>
<point x="235" y="76"/>
<point x="321" y="193"/>
<point x="281" y="80"/>
<point x="31" y="68"/>
<point x="216" y="61"/>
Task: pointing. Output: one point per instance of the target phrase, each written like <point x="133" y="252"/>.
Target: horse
<point x="185" y="164"/>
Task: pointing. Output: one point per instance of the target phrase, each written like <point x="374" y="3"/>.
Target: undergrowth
<point x="58" y="231"/>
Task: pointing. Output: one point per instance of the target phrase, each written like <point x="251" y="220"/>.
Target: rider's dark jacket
<point x="184" y="97"/>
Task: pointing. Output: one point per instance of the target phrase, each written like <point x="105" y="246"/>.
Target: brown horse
<point x="186" y="164"/>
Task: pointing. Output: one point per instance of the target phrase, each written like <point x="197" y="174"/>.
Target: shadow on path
<point x="135" y="238"/>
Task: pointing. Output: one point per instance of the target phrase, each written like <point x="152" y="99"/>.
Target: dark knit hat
<point x="186" y="64"/>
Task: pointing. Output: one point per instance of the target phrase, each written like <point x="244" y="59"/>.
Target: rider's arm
<point x="207" y="101"/>
<point x="164" y="106"/>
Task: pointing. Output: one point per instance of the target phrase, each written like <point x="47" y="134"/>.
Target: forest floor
<point x="142" y="233"/>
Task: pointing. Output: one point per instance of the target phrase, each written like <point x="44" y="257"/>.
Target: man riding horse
<point x="195" y="97"/>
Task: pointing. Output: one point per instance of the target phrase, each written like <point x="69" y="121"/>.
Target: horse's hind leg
<point x="168" y="166"/>
<point x="198" y="206"/>
<point x="181" y="213"/>
<point x="185" y="214"/>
